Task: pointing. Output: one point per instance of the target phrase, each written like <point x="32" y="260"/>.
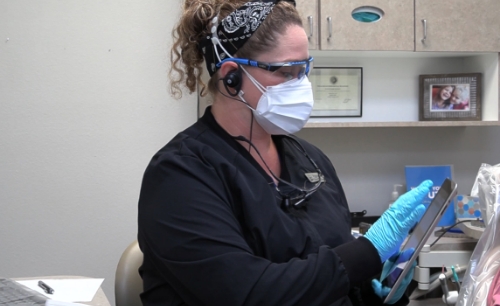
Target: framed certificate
<point x="338" y="92"/>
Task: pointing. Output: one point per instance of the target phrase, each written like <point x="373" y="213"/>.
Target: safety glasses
<point x="293" y="196"/>
<point x="290" y="70"/>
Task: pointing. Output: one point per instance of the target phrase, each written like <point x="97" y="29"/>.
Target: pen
<point x="45" y="287"/>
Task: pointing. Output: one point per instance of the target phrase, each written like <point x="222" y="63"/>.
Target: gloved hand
<point x="390" y="230"/>
<point x="389" y="267"/>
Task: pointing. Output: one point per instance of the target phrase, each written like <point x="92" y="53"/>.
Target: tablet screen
<point x="423" y="229"/>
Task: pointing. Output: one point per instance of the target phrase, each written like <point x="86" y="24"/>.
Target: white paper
<point x="57" y="303"/>
<point x="67" y="290"/>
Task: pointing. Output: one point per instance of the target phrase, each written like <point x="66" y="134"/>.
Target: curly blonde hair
<point x="187" y="60"/>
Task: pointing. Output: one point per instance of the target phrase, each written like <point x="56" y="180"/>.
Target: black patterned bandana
<point x="232" y="32"/>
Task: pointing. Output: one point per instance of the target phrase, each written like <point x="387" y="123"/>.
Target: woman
<point x="234" y="210"/>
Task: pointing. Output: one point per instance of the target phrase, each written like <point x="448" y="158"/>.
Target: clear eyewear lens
<point x="292" y="70"/>
<point x="297" y="200"/>
<point x="310" y="68"/>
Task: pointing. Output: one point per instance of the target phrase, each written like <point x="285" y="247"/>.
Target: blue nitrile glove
<point x="390" y="230"/>
<point x="389" y="266"/>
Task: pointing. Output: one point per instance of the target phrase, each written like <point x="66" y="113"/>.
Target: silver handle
<point x="329" y="20"/>
<point x="424" y="22"/>
<point x="311" y="27"/>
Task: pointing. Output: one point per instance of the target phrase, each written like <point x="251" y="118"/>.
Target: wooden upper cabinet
<point x="457" y="25"/>
<point x="394" y="31"/>
<point x="308" y="10"/>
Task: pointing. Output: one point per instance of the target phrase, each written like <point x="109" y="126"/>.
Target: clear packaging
<point x="485" y="188"/>
<point x="485" y="260"/>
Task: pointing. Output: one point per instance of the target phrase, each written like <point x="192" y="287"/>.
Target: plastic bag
<point x="485" y="261"/>
<point x="485" y="188"/>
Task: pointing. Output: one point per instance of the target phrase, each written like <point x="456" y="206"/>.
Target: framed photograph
<point x="338" y="91"/>
<point x="452" y="97"/>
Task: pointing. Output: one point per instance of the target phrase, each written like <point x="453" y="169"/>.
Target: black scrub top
<point x="213" y="229"/>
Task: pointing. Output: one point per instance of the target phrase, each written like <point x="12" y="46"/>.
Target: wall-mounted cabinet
<point x="406" y="25"/>
<point x="309" y="12"/>
<point x="339" y="30"/>
<point x="457" y="25"/>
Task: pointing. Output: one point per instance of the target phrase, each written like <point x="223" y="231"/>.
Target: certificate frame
<point x="338" y="91"/>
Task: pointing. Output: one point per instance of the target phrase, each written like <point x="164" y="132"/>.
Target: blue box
<point x="417" y="174"/>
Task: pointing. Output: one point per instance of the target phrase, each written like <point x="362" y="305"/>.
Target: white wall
<point x="84" y="106"/>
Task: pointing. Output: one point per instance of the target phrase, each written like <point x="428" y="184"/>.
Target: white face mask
<point x="284" y="108"/>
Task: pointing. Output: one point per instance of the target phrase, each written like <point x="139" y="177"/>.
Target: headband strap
<point x="232" y="32"/>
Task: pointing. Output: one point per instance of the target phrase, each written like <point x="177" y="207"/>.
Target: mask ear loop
<point x="216" y="42"/>
<point x="215" y="38"/>
<point x="259" y="86"/>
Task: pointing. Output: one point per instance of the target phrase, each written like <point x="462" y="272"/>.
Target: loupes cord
<point x="251" y="114"/>
<point x="306" y="192"/>
<point x="242" y="138"/>
<point x="263" y="161"/>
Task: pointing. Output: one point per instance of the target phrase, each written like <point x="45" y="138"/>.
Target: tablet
<point x="422" y="231"/>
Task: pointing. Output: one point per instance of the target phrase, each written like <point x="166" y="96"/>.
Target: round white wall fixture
<point x="367" y="14"/>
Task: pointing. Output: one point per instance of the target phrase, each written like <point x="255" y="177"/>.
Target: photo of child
<point x="450" y="97"/>
<point x="460" y="97"/>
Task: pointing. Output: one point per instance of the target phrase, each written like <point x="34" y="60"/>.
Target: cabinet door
<point x="308" y="10"/>
<point x="394" y="31"/>
<point x="457" y="25"/>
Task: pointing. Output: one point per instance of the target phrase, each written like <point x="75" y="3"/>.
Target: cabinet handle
<point x="329" y="19"/>
<point x="424" y="22"/>
<point x="311" y="26"/>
